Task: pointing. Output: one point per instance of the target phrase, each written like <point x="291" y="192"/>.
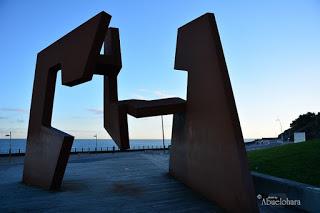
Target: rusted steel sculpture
<point x="207" y="152"/>
<point x="77" y="55"/>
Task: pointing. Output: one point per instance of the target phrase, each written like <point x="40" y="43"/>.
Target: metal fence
<point x="74" y="150"/>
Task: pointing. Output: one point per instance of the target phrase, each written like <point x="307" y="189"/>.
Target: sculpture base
<point x="46" y="158"/>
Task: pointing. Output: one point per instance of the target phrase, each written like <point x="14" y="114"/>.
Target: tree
<point x="308" y="123"/>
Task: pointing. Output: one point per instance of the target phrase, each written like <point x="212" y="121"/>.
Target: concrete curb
<point x="308" y="195"/>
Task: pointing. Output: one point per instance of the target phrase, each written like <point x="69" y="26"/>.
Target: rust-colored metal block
<point x="208" y="152"/>
<point x="142" y="108"/>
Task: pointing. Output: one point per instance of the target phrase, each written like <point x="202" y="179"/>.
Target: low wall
<point x="308" y="195"/>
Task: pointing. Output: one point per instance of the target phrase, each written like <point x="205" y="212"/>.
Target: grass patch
<point x="299" y="162"/>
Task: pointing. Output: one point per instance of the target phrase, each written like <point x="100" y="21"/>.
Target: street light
<point x="9" y="135"/>
<point x="96" y="136"/>
<point x="280" y="128"/>
<point x="162" y="133"/>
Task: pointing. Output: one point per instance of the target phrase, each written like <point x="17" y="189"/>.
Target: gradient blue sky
<point x="272" y="50"/>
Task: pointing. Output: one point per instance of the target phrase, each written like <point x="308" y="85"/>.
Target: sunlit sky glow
<point x="272" y="50"/>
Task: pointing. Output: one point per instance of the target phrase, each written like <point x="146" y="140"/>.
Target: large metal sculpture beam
<point x="115" y="111"/>
<point x="77" y="55"/>
<point x="208" y="152"/>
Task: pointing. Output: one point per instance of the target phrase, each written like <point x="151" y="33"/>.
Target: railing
<point x="75" y="150"/>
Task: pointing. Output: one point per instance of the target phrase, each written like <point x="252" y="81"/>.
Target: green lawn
<point x="299" y="162"/>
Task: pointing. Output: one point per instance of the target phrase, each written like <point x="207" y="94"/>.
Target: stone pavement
<point x="119" y="182"/>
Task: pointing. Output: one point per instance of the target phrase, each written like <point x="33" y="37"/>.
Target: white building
<point x="299" y="137"/>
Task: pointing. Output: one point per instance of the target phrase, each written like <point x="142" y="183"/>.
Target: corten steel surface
<point x="77" y="55"/>
<point x="207" y="151"/>
<point x="142" y="108"/>
<point x="115" y="111"/>
<point x="115" y="117"/>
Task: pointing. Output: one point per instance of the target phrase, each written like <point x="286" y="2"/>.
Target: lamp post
<point x="162" y="133"/>
<point x="96" y="136"/>
<point x="280" y="129"/>
<point x="9" y="135"/>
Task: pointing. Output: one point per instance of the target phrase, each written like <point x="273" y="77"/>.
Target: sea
<point x="19" y="145"/>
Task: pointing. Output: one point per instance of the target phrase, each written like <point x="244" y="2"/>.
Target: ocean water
<point x="19" y="145"/>
<point x="86" y="144"/>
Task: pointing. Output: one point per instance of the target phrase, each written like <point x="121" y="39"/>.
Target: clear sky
<point x="272" y="50"/>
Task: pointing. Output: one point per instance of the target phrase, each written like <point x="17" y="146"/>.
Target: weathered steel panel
<point x="76" y="54"/>
<point x="208" y="152"/>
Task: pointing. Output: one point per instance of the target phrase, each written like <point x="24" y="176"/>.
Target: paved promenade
<point x="119" y="182"/>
